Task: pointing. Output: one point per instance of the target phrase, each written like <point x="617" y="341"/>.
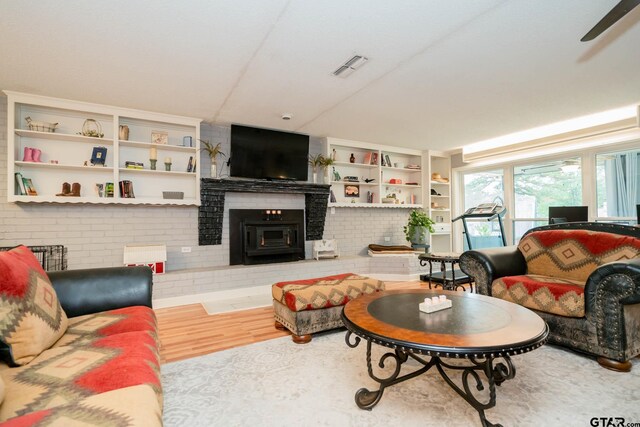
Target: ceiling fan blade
<point x="619" y="10"/>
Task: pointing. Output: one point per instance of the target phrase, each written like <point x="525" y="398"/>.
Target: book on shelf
<point x="190" y="164"/>
<point x="29" y="188"/>
<point x="126" y="189"/>
<point x="374" y="158"/>
<point x="20" y="188"/>
<point x="388" y="160"/>
<point x="367" y="158"/>
<point x="133" y="165"/>
<point x="370" y="196"/>
<point x="108" y="189"/>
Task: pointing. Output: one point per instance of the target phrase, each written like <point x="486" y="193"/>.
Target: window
<point x="540" y="185"/>
<point x="618" y="184"/>
<point x="483" y="187"/>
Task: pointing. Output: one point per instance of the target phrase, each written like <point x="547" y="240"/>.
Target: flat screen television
<point x="558" y="214"/>
<point x="268" y="154"/>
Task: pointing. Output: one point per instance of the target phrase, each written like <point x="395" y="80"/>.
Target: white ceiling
<point x="441" y="73"/>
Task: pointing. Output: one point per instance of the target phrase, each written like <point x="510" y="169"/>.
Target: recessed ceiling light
<point x="287" y="116"/>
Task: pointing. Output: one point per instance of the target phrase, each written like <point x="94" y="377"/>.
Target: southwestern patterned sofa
<point x="78" y="347"/>
<point x="583" y="279"/>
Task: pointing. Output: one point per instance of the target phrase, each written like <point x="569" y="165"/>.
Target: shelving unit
<point x="368" y="164"/>
<point x="66" y="154"/>
<point x="439" y="206"/>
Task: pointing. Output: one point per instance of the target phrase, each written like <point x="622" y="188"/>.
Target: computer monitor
<point x="559" y="214"/>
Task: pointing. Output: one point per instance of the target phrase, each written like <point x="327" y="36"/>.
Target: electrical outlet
<point x="387" y="238"/>
<point x="186" y="249"/>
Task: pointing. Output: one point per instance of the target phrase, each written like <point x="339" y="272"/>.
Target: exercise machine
<point x="489" y="211"/>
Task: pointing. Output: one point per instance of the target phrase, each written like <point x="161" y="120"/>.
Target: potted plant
<point x="326" y="163"/>
<point x="417" y="227"/>
<point x="316" y="161"/>
<point x="213" y="151"/>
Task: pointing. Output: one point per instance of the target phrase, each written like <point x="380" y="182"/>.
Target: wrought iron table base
<point x="494" y="373"/>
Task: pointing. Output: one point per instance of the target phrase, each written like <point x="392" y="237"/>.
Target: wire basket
<point x="51" y="257"/>
<point x="40" y="126"/>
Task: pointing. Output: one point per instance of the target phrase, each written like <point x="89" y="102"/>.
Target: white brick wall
<point x="95" y="235"/>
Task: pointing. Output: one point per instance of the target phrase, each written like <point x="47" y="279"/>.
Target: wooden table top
<point x="475" y="325"/>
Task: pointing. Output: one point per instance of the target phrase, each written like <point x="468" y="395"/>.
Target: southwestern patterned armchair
<point x="583" y="279"/>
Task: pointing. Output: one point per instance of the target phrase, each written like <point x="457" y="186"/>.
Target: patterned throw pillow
<point x="31" y="318"/>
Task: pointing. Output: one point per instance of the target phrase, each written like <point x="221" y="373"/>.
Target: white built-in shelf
<point x="391" y="168"/>
<point x="440" y="233"/>
<point x="72" y="151"/>
<point x="386" y="184"/>
<point x="342" y="150"/>
<point x="440" y="210"/>
<point x="440" y="183"/>
<point x="63" y="137"/>
<point x="138" y="144"/>
<point x="441" y="196"/>
<point x="357" y="165"/>
<point x="371" y="184"/>
<point x="62" y="167"/>
<point x="103" y="200"/>
<point x="372" y="205"/>
<point x="156" y="172"/>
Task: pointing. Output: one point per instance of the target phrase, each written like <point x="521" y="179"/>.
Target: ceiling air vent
<point x="350" y="66"/>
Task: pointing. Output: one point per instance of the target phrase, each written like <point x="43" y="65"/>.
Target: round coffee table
<point x="484" y="330"/>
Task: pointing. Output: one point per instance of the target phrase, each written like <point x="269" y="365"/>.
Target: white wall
<point x="96" y="234"/>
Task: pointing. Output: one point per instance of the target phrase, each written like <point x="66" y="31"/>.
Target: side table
<point x="450" y="280"/>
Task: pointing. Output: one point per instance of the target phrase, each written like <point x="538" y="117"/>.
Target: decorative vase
<point x="315" y="177"/>
<point x="123" y="132"/>
<point x="214" y="170"/>
<point x="327" y="180"/>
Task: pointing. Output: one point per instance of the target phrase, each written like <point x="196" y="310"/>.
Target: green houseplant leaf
<point x="418" y="220"/>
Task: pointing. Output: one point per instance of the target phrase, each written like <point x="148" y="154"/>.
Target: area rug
<point x="279" y="383"/>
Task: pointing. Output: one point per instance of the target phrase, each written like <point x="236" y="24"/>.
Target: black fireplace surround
<point x="258" y="236"/>
<point x="212" y="195"/>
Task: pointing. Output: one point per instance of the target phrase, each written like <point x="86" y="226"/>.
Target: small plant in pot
<point x="316" y="161"/>
<point x="213" y="151"/>
<point x="417" y="227"/>
<point x="326" y="163"/>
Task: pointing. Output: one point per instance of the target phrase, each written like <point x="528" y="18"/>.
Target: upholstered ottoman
<point x="308" y="306"/>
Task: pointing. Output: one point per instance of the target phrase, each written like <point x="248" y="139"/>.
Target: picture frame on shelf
<point x="351" y="190"/>
<point x="374" y="158"/>
<point x="98" y="156"/>
<point x="159" y="137"/>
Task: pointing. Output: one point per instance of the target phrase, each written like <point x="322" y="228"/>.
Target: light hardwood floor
<point x="188" y="331"/>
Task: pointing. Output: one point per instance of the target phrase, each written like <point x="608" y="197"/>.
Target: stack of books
<point x="126" y="190"/>
<point x="24" y="186"/>
<point x="133" y="165"/>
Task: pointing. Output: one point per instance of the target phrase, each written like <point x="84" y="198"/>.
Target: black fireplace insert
<point x="261" y="236"/>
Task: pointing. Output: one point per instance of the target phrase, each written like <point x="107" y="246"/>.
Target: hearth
<point x="259" y="236"/>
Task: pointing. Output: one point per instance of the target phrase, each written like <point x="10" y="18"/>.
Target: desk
<point x="449" y="279"/>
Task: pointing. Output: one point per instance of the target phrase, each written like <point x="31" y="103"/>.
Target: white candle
<point x="443" y="298"/>
<point x="153" y="153"/>
<point x="427" y="301"/>
<point x="167" y="160"/>
<point x="435" y="300"/>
